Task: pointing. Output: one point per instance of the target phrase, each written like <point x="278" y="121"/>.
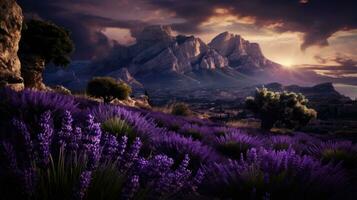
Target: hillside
<point x="146" y="155"/>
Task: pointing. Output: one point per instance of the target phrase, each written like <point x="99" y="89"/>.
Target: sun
<point x="287" y="63"/>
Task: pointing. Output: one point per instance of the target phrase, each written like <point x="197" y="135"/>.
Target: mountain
<point x="161" y="60"/>
<point x="242" y="55"/>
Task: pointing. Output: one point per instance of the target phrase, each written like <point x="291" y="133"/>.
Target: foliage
<point x="286" y="109"/>
<point x="108" y="89"/>
<point x="47" y="41"/>
<point x="181" y="109"/>
<point x="79" y="162"/>
<point x="118" y="127"/>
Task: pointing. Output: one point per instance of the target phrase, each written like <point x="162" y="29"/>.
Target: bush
<point x="181" y="109"/>
<point x="285" y="109"/>
<point x="108" y="89"/>
<point x="118" y="127"/>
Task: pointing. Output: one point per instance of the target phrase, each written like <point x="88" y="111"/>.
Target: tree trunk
<point x="31" y="70"/>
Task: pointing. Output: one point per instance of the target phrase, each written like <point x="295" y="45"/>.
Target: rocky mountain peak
<point x="241" y="54"/>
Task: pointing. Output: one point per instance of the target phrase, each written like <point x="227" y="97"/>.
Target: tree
<point x="280" y="109"/>
<point x="42" y="43"/>
<point x="108" y="89"/>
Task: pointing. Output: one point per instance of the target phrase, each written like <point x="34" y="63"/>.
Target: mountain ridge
<point x="160" y="59"/>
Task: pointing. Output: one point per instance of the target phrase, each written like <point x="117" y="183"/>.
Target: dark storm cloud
<point x="316" y="19"/>
<point x="85" y="27"/>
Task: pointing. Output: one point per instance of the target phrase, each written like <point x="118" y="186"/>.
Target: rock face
<point x="244" y="56"/>
<point x="10" y="33"/>
<point x="157" y="50"/>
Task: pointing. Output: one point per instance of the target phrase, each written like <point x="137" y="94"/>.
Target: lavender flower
<point x="122" y="147"/>
<point x="65" y="133"/>
<point x="75" y="140"/>
<point x="92" y="142"/>
<point x="110" y="146"/>
<point x="131" y="188"/>
<point x="9" y="154"/>
<point x="44" y="138"/>
<point x="134" y="152"/>
<point x="84" y="182"/>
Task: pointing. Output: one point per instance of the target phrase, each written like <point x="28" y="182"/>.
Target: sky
<point x="294" y="33"/>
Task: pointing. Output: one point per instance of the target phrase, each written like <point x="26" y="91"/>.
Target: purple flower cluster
<point x="170" y="158"/>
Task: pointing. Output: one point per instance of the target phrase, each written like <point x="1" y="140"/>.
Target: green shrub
<point x="285" y="109"/>
<point x="108" y="89"/>
<point x="181" y="109"/>
<point x="118" y="127"/>
<point x="347" y="159"/>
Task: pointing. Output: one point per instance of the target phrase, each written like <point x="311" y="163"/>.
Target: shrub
<point x="287" y="109"/>
<point x="181" y="109"/>
<point x="118" y="127"/>
<point x="235" y="145"/>
<point x="108" y="89"/>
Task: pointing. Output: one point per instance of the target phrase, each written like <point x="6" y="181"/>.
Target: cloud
<point x="339" y="58"/>
<point x="317" y="20"/>
<point x="86" y="28"/>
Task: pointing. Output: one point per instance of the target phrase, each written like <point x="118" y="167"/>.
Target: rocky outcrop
<point x="180" y="54"/>
<point x="10" y="33"/>
<point x="244" y="56"/>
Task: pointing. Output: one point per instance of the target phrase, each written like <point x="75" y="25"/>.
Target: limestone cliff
<point x="10" y="33"/>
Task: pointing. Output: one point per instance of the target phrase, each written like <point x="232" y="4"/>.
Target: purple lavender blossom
<point x="75" y="140"/>
<point x="110" y="147"/>
<point x="91" y="142"/>
<point x="131" y="188"/>
<point x="84" y="182"/>
<point x="25" y="138"/>
<point x="44" y="138"/>
<point x="122" y="147"/>
<point x="133" y="153"/>
<point x="9" y="154"/>
<point x="65" y="133"/>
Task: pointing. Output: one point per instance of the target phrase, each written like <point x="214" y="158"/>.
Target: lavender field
<point x="62" y="147"/>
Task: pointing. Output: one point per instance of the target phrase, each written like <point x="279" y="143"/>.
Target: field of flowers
<point x="63" y="147"/>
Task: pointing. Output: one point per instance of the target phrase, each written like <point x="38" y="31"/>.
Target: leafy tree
<point x="284" y="109"/>
<point x="108" y="89"/>
<point x="47" y="41"/>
